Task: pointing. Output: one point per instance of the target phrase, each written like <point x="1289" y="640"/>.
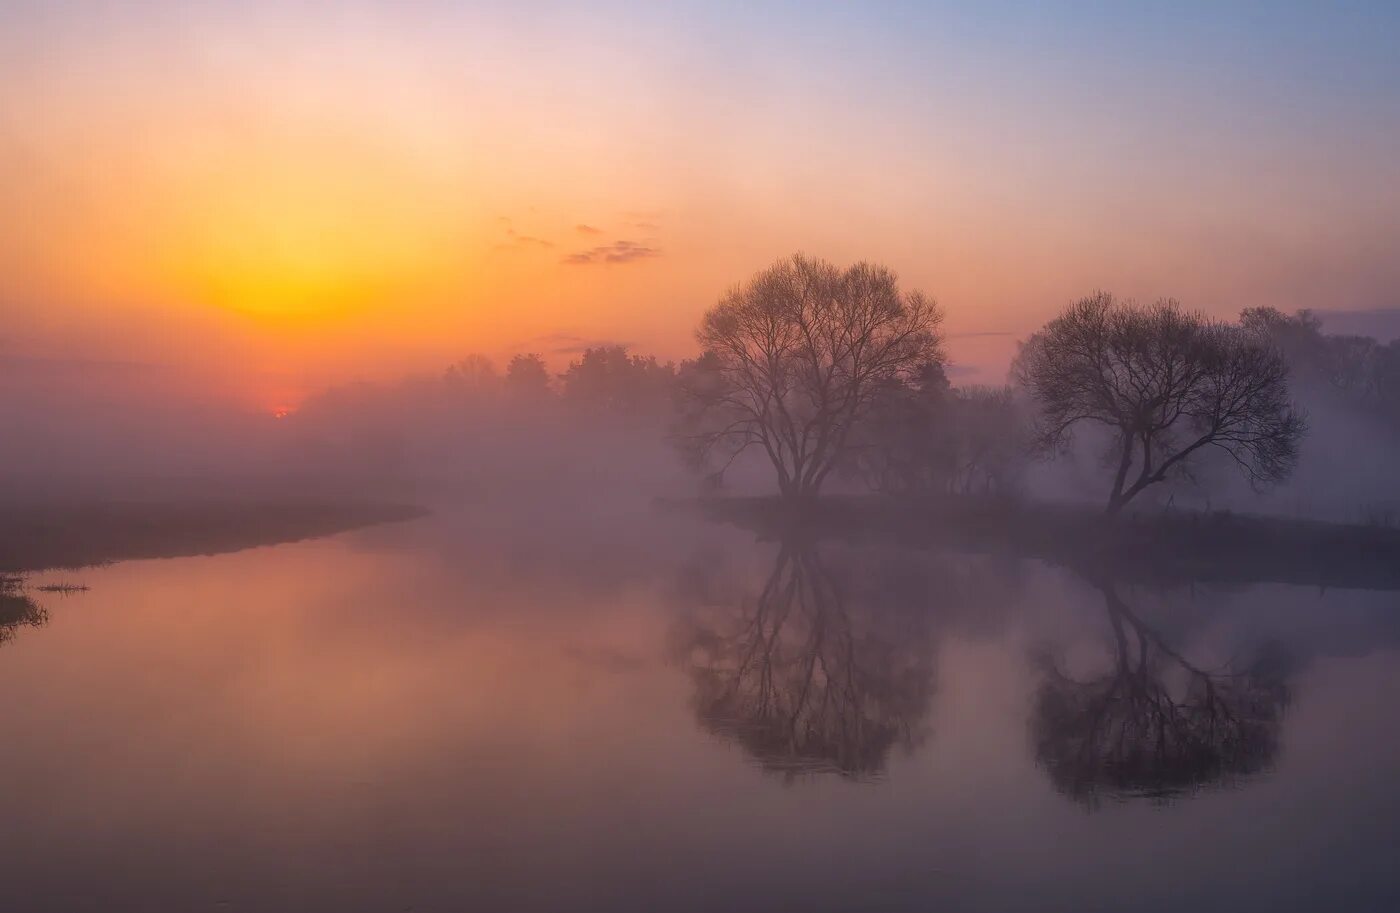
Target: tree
<point x="1364" y="370"/>
<point x="1167" y="385"/>
<point x="474" y="376"/>
<point x="906" y="444"/>
<point x="607" y="378"/>
<point x="792" y="362"/>
<point x="527" y="378"/>
<point x="928" y="437"/>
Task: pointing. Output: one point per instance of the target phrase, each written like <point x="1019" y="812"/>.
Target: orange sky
<point x="288" y="195"/>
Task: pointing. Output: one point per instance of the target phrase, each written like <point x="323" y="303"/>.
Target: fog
<point x="604" y="432"/>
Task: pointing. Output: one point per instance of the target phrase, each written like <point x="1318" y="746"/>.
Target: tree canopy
<point x="792" y="361"/>
<point x="1166" y="384"/>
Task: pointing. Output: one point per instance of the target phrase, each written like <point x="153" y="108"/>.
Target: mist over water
<point x="472" y="711"/>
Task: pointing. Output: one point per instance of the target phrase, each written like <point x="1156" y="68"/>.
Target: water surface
<point x="462" y="714"/>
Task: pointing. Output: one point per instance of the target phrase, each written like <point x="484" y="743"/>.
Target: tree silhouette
<point x="527" y="378"/>
<point x="806" y="682"/>
<point x="1166" y="385"/>
<point x="1155" y="725"/>
<point x="473" y="376"/>
<point x="927" y="436"/>
<point x="1363" y="369"/>
<point x="792" y="362"/>
<point x="608" y="379"/>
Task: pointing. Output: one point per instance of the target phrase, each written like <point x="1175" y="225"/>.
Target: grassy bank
<point x="1218" y="547"/>
<point x="39" y="535"/>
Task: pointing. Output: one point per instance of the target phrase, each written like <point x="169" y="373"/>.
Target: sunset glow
<point x="280" y="194"/>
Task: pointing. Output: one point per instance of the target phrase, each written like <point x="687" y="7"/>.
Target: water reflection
<point x="813" y="674"/>
<point x="417" y="718"/>
<point x="17" y="609"/>
<point x="1155" y="724"/>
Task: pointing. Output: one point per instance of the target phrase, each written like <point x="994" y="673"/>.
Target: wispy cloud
<point x="519" y="240"/>
<point x="571" y="343"/>
<point x="514" y="240"/>
<point x="587" y="229"/>
<point x="616" y="252"/>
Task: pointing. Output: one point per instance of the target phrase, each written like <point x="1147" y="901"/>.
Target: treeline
<point x="476" y="424"/>
<point x="1360" y="369"/>
<point x="605" y="379"/>
<point x="812" y="376"/>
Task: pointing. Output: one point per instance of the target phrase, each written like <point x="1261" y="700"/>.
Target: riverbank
<point x="41" y="535"/>
<point x="1219" y="547"/>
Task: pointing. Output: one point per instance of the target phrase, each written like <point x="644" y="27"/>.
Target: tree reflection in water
<point x="813" y="675"/>
<point x="1155" y="725"/>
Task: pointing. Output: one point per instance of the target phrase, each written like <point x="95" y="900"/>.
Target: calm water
<point x="462" y="715"/>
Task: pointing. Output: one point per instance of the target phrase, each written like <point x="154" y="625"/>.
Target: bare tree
<point x="792" y="361"/>
<point x="473" y="376"/>
<point x="1167" y="385"/>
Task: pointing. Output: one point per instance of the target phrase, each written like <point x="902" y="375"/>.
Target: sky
<point x="262" y="198"/>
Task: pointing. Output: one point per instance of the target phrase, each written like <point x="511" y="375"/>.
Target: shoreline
<point x="1172" y="547"/>
<point x="67" y="535"/>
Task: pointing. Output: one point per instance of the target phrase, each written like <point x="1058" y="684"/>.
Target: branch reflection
<point x="815" y="673"/>
<point x="1155" y="725"/>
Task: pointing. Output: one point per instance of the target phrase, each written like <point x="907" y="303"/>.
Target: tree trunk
<point x="1116" y="500"/>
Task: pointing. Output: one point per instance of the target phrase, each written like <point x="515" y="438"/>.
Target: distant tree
<point x="473" y="376"/>
<point x="1364" y="370"/>
<point x="907" y="444"/>
<point x="527" y="378"/>
<point x="990" y="440"/>
<point x="927" y="437"/>
<point x="607" y="378"/>
<point x="793" y="361"/>
<point x="1166" y="385"/>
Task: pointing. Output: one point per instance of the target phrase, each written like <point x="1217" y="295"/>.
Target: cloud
<point x="586" y="344"/>
<point x="519" y="240"/>
<point x="561" y="343"/>
<point x="516" y="241"/>
<point x="616" y="252"/>
<point x="979" y="333"/>
<point x="587" y="229"/>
